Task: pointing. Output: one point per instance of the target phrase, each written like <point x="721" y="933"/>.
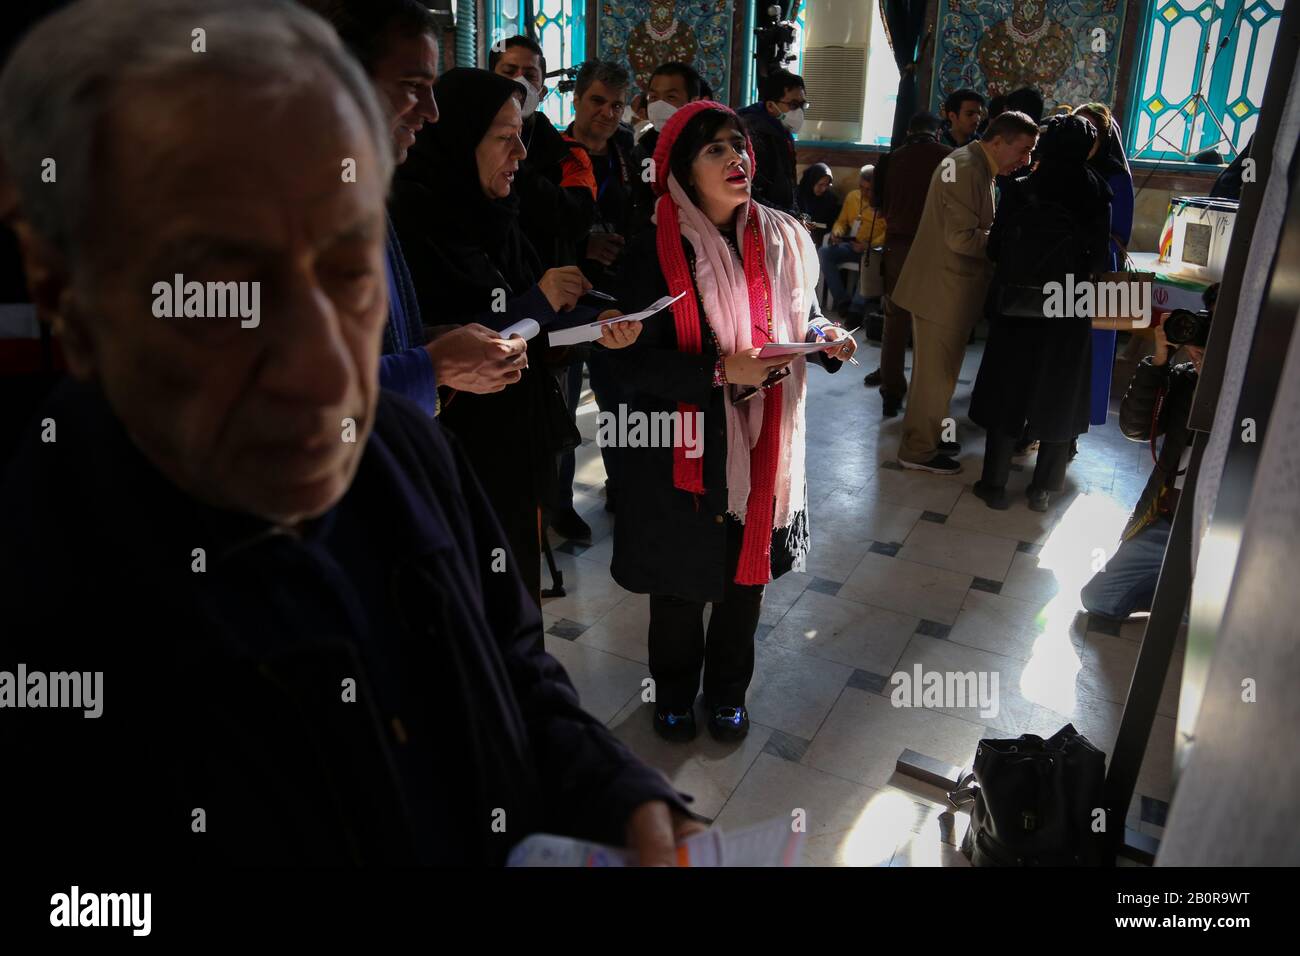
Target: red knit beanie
<point x="673" y="128"/>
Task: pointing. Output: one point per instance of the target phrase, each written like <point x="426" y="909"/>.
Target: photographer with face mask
<point x="1157" y="402"/>
<point x="672" y="86"/>
<point x="771" y="124"/>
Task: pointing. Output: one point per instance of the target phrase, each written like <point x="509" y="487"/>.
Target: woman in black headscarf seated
<point x="470" y="262"/>
<point x="819" y="200"/>
<point x="1050" y="236"/>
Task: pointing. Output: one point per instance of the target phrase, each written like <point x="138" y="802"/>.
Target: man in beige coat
<point x="945" y="279"/>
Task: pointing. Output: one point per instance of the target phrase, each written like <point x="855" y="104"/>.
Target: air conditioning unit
<point x="837" y="34"/>
<point x="836" y="81"/>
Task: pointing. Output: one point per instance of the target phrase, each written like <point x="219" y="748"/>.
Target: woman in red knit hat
<point x="723" y="511"/>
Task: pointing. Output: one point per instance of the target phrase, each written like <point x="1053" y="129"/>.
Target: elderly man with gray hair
<point x="308" y="650"/>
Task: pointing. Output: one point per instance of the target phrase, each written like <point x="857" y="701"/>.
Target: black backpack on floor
<point x="1035" y="802"/>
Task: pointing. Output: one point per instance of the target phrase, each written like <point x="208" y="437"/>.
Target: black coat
<point x="462" y="271"/>
<point x="774" y="159"/>
<point x="667" y="542"/>
<point x="223" y="688"/>
<point x="824" y="208"/>
<point x="555" y="218"/>
<point x="643" y="196"/>
<point x="616" y="174"/>
<point x="1035" y="377"/>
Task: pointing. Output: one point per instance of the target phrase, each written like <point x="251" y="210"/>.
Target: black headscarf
<point x="1111" y="159"/>
<point x="824" y="208"/>
<point x="1065" y="140"/>
<point x="1063" y="171"/>
<point x="443" y="161"/>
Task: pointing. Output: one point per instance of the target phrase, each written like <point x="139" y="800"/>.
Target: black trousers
<point x="680" y="648"/>
<point x="1049" y="472"/>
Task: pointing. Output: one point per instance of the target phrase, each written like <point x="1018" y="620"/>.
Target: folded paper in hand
<point x="591" y="331"/>
<point x="774" y="843"/>
<point x="524" y="328"/>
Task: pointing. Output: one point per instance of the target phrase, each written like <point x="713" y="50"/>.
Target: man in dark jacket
<point x="672" y="86"/>
<point x="902" y="182"/>
<point x="396" y="43"/>
<point x="962" y="112"/>
<point x="1158" y="387"/>
<point x="298" y="633"/>
<point x="599" y="94"/>
<point x="555" y="204"/>
<point x="771" y="124"/>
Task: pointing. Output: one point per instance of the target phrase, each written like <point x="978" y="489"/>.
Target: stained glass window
<point x="560" y="27"/>
<point x="1183" y="52"/>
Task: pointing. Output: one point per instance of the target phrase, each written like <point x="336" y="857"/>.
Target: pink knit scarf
<point x="746" y="304"/>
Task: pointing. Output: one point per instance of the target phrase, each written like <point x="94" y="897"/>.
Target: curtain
<point x="905" y="27"/>
<point x="467" y="35"/>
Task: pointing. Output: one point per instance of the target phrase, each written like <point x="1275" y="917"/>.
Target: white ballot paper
<point x="524" y="328"/>
<point x="765" y="844"/>
<point x="780" y="349"/>
<point x="590" y="332"/>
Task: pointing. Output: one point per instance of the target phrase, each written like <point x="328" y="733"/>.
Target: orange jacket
<point x="576" y="169"/>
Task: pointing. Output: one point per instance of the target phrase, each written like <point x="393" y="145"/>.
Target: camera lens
<point x="1184" y="327"/>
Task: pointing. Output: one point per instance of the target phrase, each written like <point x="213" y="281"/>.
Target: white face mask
<point x="659" y="112"/>
<point x="531" y="99"/>
<point x="628" y="118"/>
<point x="793" y="121"/>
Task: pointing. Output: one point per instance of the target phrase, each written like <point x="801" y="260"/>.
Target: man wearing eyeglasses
<point x="772" y="123"/>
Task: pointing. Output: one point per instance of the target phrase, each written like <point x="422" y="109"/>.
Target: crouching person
<point x="1128" y="582"/>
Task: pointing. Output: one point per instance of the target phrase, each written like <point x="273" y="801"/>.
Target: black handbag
<point x="1039" y="243"/>
<point x="1035" y="801"/>
<point x="556" y="422"/>
<point x="1021" y="301"/>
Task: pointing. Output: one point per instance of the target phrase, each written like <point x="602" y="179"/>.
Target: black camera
<point x="774" y="40"/>
<point x="570" y="81"/>
<point x="1185" y="327"/>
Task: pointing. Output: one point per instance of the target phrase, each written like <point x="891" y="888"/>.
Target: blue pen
<point x="822" y="335"/>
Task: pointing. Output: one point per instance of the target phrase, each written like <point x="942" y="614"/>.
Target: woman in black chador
<point x="1052" y="226"/>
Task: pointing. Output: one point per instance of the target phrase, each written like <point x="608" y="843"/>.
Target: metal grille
<point x="836" y="81"/>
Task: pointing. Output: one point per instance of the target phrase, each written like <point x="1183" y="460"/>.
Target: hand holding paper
<point x="473" y="358"/>
<point x="618" y="335"/>
<point x="594" y="330"/>
<point x="524" y="328"/>
<point x="773" y="843"/>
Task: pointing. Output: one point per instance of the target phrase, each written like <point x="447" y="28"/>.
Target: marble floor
<point x="906" y="569"/>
